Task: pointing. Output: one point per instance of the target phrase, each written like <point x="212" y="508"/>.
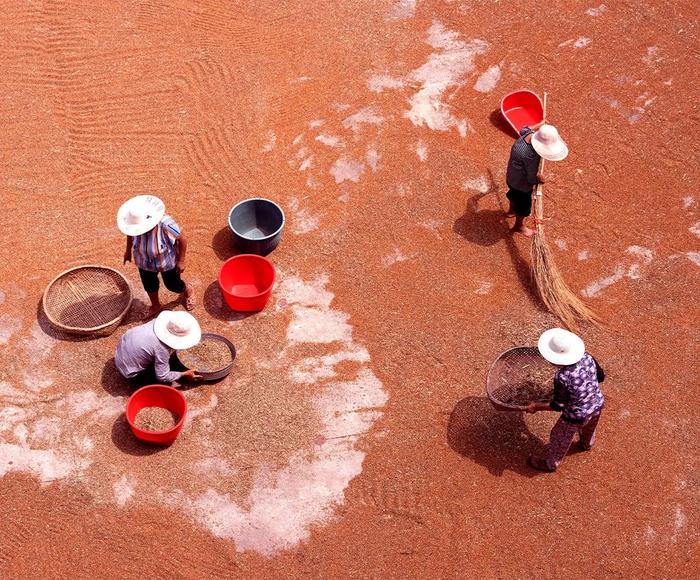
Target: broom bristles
<point x="553" y="290"/>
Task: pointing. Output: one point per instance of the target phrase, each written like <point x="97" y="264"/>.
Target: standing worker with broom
<point x="539" y="141"/>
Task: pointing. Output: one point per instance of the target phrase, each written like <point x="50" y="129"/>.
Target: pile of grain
<point x="155" y="419"/>
<point x="208" y="356"/>
<point x="523" y="393"/>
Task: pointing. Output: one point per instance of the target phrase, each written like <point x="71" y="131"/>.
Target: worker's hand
<point x="127" y="257"/>
<point x="180" y="266"/>
<point x="191" y="375"/>
<point x="540" y="178"/>
<point x="532" y="408"/>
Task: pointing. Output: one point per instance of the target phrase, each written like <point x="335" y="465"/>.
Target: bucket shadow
<point x="124" y="440"/>
<point x="222" y="244"/>
<point x="215" y="306"/>
<point x="497" y="120"/>
<point x="498" y="440"/>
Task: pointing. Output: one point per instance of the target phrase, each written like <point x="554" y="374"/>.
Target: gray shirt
<point x="523" y="164"/>
<point x="140" y="349"/>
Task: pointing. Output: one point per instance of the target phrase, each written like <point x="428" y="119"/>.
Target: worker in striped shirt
<point x="156" y="244"/>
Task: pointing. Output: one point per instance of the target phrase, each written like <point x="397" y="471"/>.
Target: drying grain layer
<point x="356" y="421"/>
<point x="155" y="419"/>
<point x="209" y="355"/>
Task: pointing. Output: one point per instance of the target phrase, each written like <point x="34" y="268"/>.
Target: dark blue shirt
<point x="523" y="164"/>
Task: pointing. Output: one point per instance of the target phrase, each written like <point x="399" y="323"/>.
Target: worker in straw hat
<point x="540" y="140"/>
<point x="577" y="395"/>
<point x="157" y="245"/>
<point x="143" y="353"/>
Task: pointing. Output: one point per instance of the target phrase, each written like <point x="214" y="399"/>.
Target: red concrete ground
<point x="397" y="211"/>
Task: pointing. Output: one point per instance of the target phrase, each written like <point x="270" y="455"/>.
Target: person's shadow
<point x="498" y="440"/>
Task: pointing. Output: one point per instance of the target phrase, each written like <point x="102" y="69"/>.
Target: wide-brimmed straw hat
<point x="548" y="144"/>
<point x="179" y="330"/>
<point x="561" y="347"/>
<point x="140" y="214"/>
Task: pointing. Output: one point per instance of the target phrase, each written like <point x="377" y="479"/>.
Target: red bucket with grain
<point x="156" y="414"/>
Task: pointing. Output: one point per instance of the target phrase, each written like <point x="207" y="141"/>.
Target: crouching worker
<point x="143" y="353"/>
<point x="577" y="396"/>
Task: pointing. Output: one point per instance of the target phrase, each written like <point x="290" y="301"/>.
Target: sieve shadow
<point x="215" y="306"/>
<point x="58" y="334"/>
<point x="497" y="120"/>
<point x="126" y="442"/>
<point x="498" y="440"/>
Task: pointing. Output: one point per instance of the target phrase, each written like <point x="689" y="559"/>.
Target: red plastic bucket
<point x="156" y="396"/>
<point x="246" y="282"/>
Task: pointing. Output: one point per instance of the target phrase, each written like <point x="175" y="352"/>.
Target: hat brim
<point x="160" y="327"/>
<point x="556" y="152"/>
<point x="157" y="206"/>
<point x="558" y="358"/>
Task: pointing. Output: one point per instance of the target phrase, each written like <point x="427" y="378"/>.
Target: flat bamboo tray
<point x="87" y="300"/>
<point x="520" y="376"/>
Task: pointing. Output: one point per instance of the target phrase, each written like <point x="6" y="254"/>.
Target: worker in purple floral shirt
<point x="577" y="396"/>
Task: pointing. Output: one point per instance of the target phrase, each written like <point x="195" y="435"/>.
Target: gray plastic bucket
<point x="257" y="225"/>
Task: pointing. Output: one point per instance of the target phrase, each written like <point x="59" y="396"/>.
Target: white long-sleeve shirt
<point x="140" y="349"/>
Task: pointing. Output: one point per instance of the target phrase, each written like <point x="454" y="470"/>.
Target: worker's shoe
<point x="540" y="463"/>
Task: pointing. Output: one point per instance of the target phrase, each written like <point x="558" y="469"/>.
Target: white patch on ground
<point x="488" y="80"/>
<point x="422" y="151"/>
<point x="645" y="253"/>
<point x="330" y="140"/>
<point x="123" y="490"/>
<point x="694" y="257"/>
<point x="300" y="80"/>
<point x="318" y="326"/>
<point x="689" y="202"/>
<point x="365" y="116"/>
<point x="311" y="369"/>
<point x="373" y="157"/>
<point x="307" y="163"/>
<point x="316" y="123"/>
<point x="649" y="535"/>
<point x="341" y="106"/>
<point x="583" y="255"/>
<point x="402" y="10"/>
<point x="304" y="221"/>
<point x="270" y="143"/>
<point x="283" y="506"/>
<point x="484" y="288"/>
<point x="39" y="344"/>
<point x="8" y="326"/>
<point x="695" y="229"/>
<point x="597" y="11"/>
<point x="298" y="139"/>
<point x="561" y="244"/>
<point x="377" y="83"/>
<point x="434" y="226"/>
<point x="478" y="184"/>
<point x="679" y="521"/>
<point x="625" y="414"/>
<point x="443" y="70"/>
<point x="346" y="169"/>
<point x="2" y="297"/>
<point x="214" y="466"/>
<point x="632" y="114"/>
<point x="652" y="56"/>
<point x="36" y="379"/>
<point x="582" y="42"/>
<point x="395" y="257"/>
<point x="633" y="271"/>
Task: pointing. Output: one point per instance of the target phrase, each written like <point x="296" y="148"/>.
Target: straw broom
<point x="553" y="291"/>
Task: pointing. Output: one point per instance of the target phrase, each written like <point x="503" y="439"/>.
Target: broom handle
<point x="538" y="189"/>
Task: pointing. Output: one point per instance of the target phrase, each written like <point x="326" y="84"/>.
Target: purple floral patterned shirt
<point x="577" y="392"/>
